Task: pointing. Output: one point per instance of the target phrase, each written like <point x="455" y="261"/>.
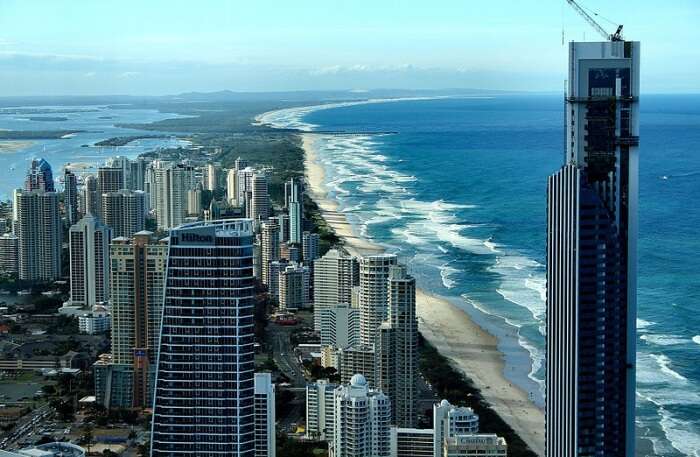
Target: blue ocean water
<point x="95" y="122"/>
<point x="458" y="191"/>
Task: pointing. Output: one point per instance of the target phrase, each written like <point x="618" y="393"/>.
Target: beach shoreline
<point x="471" y="349"/>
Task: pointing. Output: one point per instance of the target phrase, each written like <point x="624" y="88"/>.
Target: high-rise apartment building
<point x="340" y="326"/>
<point x="88" y="242"/>
<point x="125" y="211"/>
<point x="480" y="445"/>
<point x="91" y="199"/>
<point x="357" y="360"/>
<point x="204" y="398"/>
<point x="320" y="407"/>
<point x="335" y="274"/>
<point x="169" y="184"/>
<point x="269" y="248"/>
<point x="9" y="254"/>
<point x="137" y="282"/>
<point x="110" y="179"/>
<point x="194" y="201"/>
<point x="374" y="291"/>
<point x="592" y="258"/>
<point x="397" y="348"/>
<point x="39" y="177"/>
<point x="39" y="231"/>
<point x="232" y="187"/>
<point x="361" y="421"/>
<point x="212" y="177"/>
<point x="449" y="421"/>
<point x="260" y="197"/>
<point x="294" y="202"/>
<point x="70" y="197"/>
<point x="309" y="245"/>
<point x="265" y="441"/>
<point x="137" y="174"/>
<point x="294" y="287"/>
<point x="275" y="268"/>
<point x="124" y="164"/>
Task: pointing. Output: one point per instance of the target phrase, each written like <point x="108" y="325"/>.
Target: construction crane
<point x="617" y="36"/>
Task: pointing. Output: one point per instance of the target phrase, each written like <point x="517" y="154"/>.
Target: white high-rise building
<point x="335" y="274"/>
<point x="276" y="268"/>
<point x="212" y="175"/>
<point x="592" y="224"/>
<point x="171" y="184"/>
<point x="194" y="201"/>
<point x="449" y="421"/>
<point x="9" y="254"/>
<point x="269" y="248"/>
<point x="361" y="421"/>
<point x="89" y="262"/>
<point x="320" y="407"/>
<point x="374" y="291"/>
<point x="264" y="399"/>
<point x="232" y="187"/>
<point x="39" y="231"/>
<point x="125" y="211"/>
<point x="340" y="326"/>
<point x="260" y="197"/>
<point x="397" y="348"/>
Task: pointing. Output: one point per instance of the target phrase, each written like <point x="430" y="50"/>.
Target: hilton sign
<point x="196" y="238"/>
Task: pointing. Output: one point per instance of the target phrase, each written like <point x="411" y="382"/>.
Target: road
<point x="283" y="354"/>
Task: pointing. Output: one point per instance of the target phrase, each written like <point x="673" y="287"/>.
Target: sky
<point x="158" y="47"/>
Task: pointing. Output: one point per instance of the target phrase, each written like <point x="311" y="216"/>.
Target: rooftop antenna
<point x="616" y="36"/>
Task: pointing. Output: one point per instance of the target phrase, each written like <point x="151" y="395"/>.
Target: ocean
<point x="457" y="188"/>
<point x="95" y="122"/>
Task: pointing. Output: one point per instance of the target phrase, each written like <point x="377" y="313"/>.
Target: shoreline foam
<point x="455" y="335"/>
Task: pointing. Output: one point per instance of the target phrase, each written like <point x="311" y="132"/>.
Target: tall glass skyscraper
<point x="39" y="176"/>
<point x="592" y="260"/>
<point x="204" y="397"/>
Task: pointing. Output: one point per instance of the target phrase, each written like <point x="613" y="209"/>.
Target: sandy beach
<point x="449" y="329"/>
<point x="12" y="146"/>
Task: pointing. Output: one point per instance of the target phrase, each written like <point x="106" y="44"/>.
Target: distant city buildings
<point x="320" y="410"/>
<point x="374" y="291"/>
<point x="592" y="258"/>
<point x="340" y="326"/>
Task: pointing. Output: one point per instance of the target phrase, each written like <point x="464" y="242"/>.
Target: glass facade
<point x="204" y="399"/>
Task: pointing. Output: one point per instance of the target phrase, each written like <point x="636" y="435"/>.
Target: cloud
<point x="129" y="74"/>
<point x="90" y="74"/>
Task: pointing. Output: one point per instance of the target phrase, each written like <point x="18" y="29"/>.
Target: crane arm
<point x="617" y="36"/>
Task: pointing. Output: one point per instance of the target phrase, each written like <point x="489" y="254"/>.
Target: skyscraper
<point x="269" y="248"/>
<point x="374" y="290"/>
<point x="335" y="274"/>
<point x="591" y="258"/>
<point x="39" y="230"/>
<point x="260" y="197"/>
<point x="89" y="262"/>
<point x="265" y="441"/>
<point x="309" y="246"/>
<point x="39" y="177"/>
<point x="70" y="197"/>
<point x="110" y="179"/>
<point x="294" y="287"/>
<point x="136" y="294"/>
<point x="124" y="211"/>
<point x="340" y="326"/>
<point x="397" y="348"/>
<point x="9" y="256"/>
<point x="91" y="199"/>
<point x="319" y="409"/>
<point x="361" y="421"/>
<point x="204" y="399"/>
<point x="232" y="187"/>
<point x="170" y="184"/>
